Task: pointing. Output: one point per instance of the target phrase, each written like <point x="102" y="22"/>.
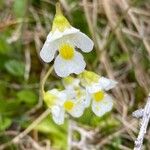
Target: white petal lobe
<point x="87" y="100"/>
<point x="56" y="35"/>
<point x="106" y="83"/>
<point x="48" y="51"/>
<point x="95" y="87"/>
<point x="83" y="42"/>
<point x="58" y="115"/>
<point x="64" y="68"/>
<point x="78" y="110"/>
<point x="102" y="107"/>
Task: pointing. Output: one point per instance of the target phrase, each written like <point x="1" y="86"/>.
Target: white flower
<point x="69" y="101"/>
<point x="96" y="87"/>
<point x="65" y="39"/>
<point x="94" y="82"/>
<point x="101" y="103"/>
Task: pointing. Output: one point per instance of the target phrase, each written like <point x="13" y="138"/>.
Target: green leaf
<point x="10" y="107"/>
<point x="116" y="141"/>
<point x="15" y="68"/>
<point x="49" y="127"/>
<point x="27" y="97"/>
<point x="3" y="59"/>
<point x="19" y="7"/>
<point x="57" y="134"/>
<point x="4" y="46"/>
<point x="2" y="91"/>
<point x="4" y="123"/>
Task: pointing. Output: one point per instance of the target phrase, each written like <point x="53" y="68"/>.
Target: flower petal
<point x="58" y="114"/>
<point x="93" y="88"/>
<point x="106" y="83"/>
<point x="48" y="51"/>
<point x="53" y="36"/>
<point x="83" y="42"/>
<point x="60" y="96"/>
<point x="70" y="31"/>
<point x="64" y="68"/>
<point x="87" y="100"/>
<point x="102" y="107"/>
<point x="71" y="94"/>
<point x="56" y="35"/>
<point x="77" y="110"/>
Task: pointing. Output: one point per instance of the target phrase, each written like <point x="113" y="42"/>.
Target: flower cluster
<point x="89" y="89"/>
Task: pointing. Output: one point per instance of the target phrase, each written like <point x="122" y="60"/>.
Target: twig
<point x="85" y="136"/>
<point x="27" y="63"/>
<point x="138" y="113"/>
<point x="137" y="26"/>
<point x="140" y="11"/>
<point x="112" y="136"/>
<point x="33" y="143"/>
<point x="144" y="124"/>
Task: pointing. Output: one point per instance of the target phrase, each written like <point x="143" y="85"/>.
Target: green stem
<point x="44" y="80"/>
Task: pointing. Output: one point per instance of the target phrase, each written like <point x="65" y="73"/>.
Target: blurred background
<point x="120" y="30"/>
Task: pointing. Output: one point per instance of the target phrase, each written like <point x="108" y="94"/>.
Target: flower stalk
<point x="44" y="80"/>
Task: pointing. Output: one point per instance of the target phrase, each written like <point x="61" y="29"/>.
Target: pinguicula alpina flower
<point x="96" y="87"/>
<point x="70" y="101"/>
<point x="101" y="103"/>
<point x="65" y="39"/>
<point x="93" y="82"/>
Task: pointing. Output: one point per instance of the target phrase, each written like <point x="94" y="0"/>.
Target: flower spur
<point x="96" y="87"/>
<point x="69" y="101"/>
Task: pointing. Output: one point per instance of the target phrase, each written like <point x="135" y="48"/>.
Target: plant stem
<point x="44" y="80"/>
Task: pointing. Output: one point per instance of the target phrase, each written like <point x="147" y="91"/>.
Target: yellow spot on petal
<point x="49" y="99"/>
<point x="60" y="22"/>
<point x="98" y="96"/>
<point x="68" y="105"/>
<point x="66" y="51"/>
